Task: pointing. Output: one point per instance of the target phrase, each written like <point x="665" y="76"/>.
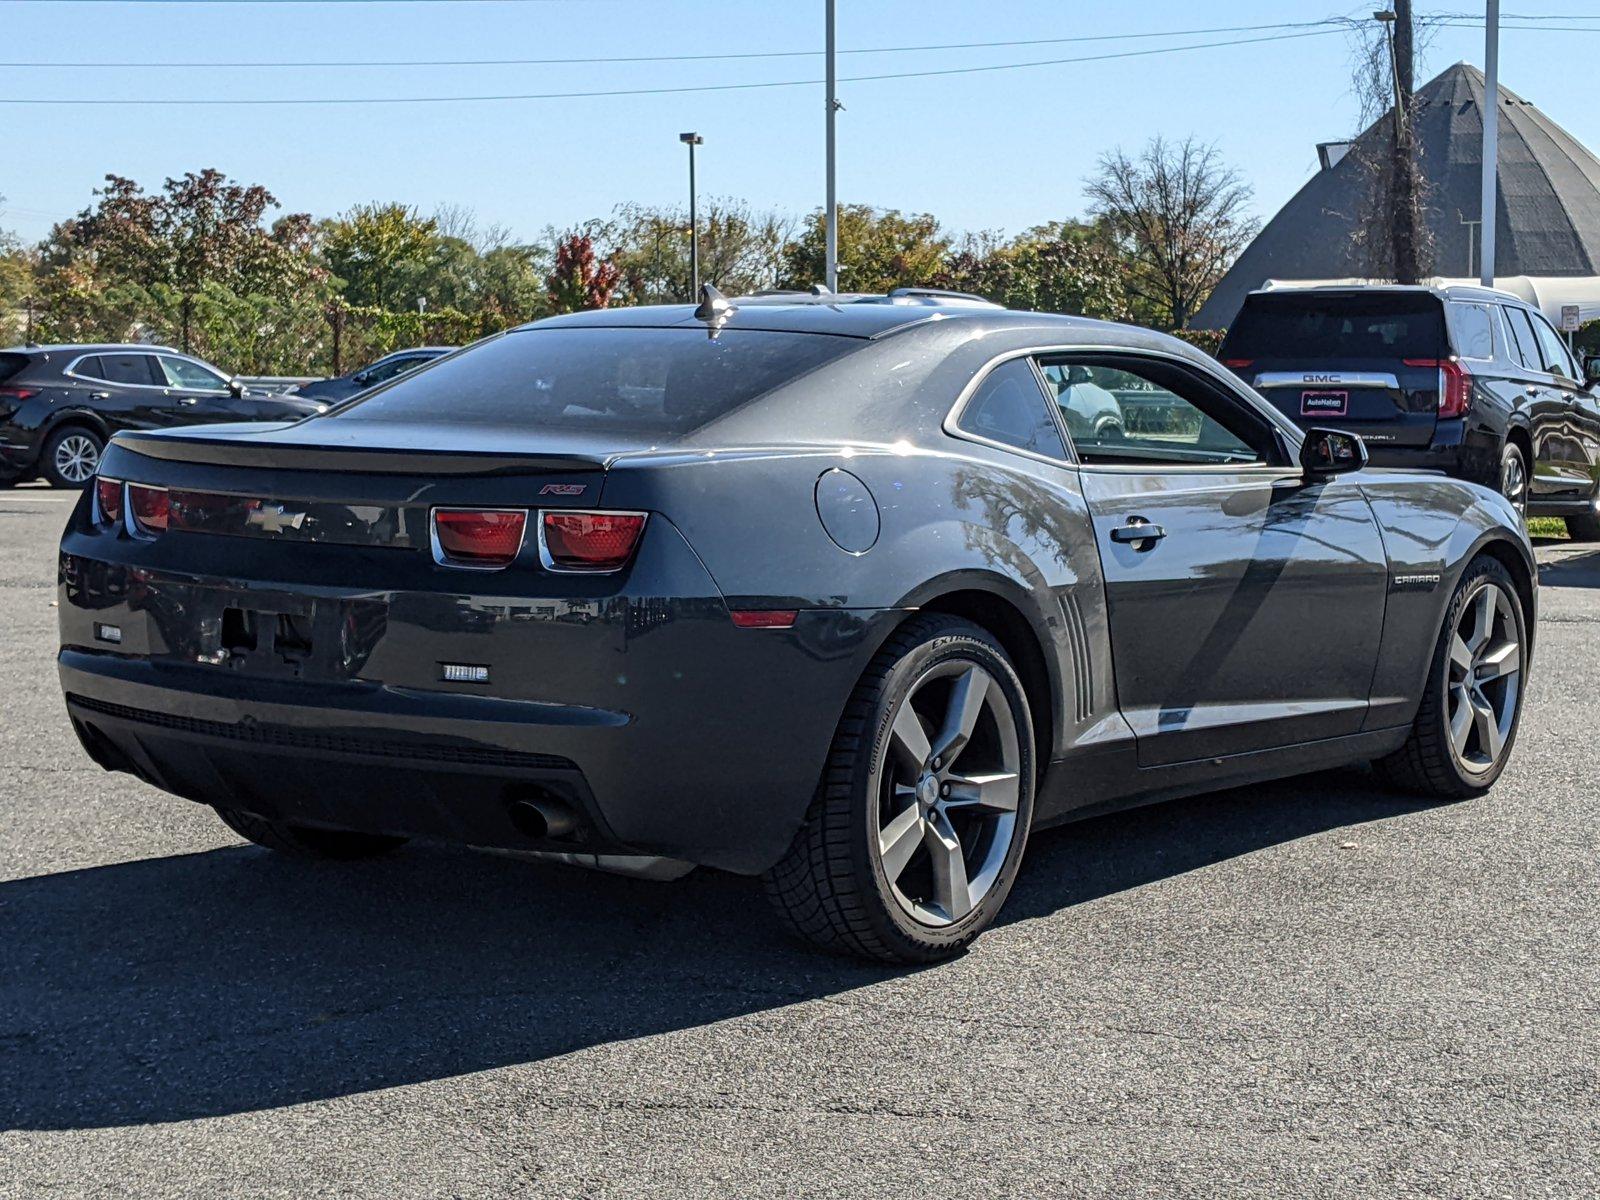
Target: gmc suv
<point x="1467" y="380"/>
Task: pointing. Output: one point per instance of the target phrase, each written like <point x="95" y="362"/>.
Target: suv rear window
<point x="649" y="381"/>
<point x="1366" y="325"/>
<point x="10" y="364"/>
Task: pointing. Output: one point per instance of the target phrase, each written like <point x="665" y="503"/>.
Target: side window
<point x="1474" y="334"/>
<point x="120" y="368"/>
<point x="389" y="370"/>
<point x="1525" y="348"/>
<point x="1124" y="410"/>
<point x="191" y="376"/>
<point x="1551" y="349"/>
<point x="1008" y="407"/>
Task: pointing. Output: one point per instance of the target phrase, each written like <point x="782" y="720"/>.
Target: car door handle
<point x="1138" y="530"/>
<point x="188" y="399"/>
<point x="99" y="395"/>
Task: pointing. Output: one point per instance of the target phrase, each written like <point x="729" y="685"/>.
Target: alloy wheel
<point x="1514" y="482"/>
<point x="1484" y="681"/>
<point x="77" y="458"/>
<point x="948" y="793"/>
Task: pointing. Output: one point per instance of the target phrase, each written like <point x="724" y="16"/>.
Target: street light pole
<point x="1491" y="139"/>
<point x="831" y="219"/>
<point x="692" y="140"/>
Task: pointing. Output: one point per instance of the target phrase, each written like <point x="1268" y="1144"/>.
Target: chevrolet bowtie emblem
<point x="275" y="519"/>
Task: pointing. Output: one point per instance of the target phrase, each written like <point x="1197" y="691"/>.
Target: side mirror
<point x="1328" y="452"/>
<point x="359" y="377"/>
<point x="1591" y="368"/>
<point x="236" y="387"/>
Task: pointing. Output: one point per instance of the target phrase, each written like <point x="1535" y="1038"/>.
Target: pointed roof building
<point x="1547" y="219"/>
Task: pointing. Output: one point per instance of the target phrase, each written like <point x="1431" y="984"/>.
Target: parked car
<point x="822" y="589"/>
<point x="1467" y="380"/>
<point x="60" y="404"/>
<point x="390" y="366"/>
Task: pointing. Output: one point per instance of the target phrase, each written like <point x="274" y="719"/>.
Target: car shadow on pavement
<point x="236" y="980"/>
<point x="1562" y="565"/>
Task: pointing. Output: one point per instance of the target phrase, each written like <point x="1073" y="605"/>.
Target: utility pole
<point x="1491" y="139"/>
<point x="831" y="218"/>
<point x="692" y="140"/>
<point x="1404" y="235"/>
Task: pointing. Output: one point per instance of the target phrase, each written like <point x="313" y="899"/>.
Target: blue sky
<point x="1001" y="150"/>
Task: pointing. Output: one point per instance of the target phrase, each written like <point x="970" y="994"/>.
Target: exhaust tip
<point x="543" y="817"/>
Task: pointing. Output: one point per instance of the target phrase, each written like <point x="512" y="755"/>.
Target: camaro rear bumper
<point x="665" y="728"/>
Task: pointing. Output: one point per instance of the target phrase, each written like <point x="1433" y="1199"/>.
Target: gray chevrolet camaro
<point x="851" y="592"/>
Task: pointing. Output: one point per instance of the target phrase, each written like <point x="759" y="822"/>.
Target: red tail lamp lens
<point x="149" y="506"/>
<point x="1455" y="384"/>
<point x="108" y="494"/>
<point x="480" y="537"/>
<point x="1237" y="364"/>
<point x="591" y="541"/>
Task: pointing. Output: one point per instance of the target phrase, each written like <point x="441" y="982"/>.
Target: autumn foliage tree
<point x="581" y="279"/>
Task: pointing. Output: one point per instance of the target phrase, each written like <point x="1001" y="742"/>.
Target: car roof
<point x="1449" y="291"/>
<point x="839" y="315"/>
<point x="89" y="348"/>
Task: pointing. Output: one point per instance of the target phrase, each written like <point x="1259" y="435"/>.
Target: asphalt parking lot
<point x="1312" y="988"/>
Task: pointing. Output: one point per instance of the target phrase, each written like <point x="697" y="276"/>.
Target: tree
<point x="201" y="231"/>
<point x="580" y="280"/>
<point x="1065" y="266"/>
<point x="382" y="254"/>
<point x="16" y="286"/>
<point x="877" y="251"/>
<point x="740" y="249"/>
<point x="1180" y="215"/>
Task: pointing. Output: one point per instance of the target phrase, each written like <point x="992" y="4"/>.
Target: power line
<point x="188" y="101"/>
<point x="670" y="58"/>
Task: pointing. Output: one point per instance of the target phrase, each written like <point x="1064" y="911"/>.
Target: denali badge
<point x="563" y="489"/>
<point x="275" y="519"/>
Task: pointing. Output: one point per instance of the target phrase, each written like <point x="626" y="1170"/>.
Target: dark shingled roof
<point x="1547" y="220"/>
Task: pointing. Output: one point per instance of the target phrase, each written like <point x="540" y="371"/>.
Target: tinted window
<point x="191" y="376"/>
<point x="1341" y="326"/>
<point x="1008" y="407"/>
<point x="379" y="371"/>
<point x="648" y="381"/>
<point x="1525" y="345"/>
<point x="1551" y="350"/>
<point x="120" y="368"/>
<point x="1474" y="333"/>
<point x="1168" y="414"/>
<point x="10" y="364"/>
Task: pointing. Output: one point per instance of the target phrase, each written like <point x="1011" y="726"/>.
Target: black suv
<point x="1467" y="380"/>
<point x="60" y="404"/>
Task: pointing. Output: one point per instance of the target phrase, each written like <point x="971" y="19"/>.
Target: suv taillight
<point x="108" y="495"/>
<point x="1455" y="384"/>
<point x="575" y="540"/>
<point x="18" y="393"/>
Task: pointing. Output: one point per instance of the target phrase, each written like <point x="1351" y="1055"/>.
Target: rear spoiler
<point x="296" y="456"/>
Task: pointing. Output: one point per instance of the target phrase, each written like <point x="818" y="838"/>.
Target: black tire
<point x="340" y="844"/>
<point x="1427" y="764"/>
<point x="1514" y="466"/>
<point x="830" y="888"/>
<point x="1587" y="527"/>
<point x="61" y="473"/>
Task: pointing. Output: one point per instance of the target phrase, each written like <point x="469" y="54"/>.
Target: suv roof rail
<point x="933" y="293"/>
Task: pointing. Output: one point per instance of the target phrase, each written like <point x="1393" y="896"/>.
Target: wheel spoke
<point x="950" y="888"/>
<point x="898" y="841"/>
<point x="996" y="793"/>
<point x="961" y="715"/>
<point x="910" y="739"/>
<point x="1487" y="725"/>
<point x="1460" y="654"/>
<point x="1460" y="719"/>
<point x="1504" y="659"/>
<point x="1482" y="619"/>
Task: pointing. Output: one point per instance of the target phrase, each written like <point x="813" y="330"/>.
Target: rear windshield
<point x="647" y="381"/>
<point x="1337" y="327"/>
<point x="10" y="364"/>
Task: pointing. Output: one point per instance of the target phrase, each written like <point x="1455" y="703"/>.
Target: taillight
<point x="588" y="541"/>
<point x="18" y="393"/>
<point x="1237" y="364"/>
<point x="108" y="495"/>
<point x="149" y="506"/>
<point x="764" y="618"/>
<point x="478" y="537"/>
<point x="1455" y="384"/>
